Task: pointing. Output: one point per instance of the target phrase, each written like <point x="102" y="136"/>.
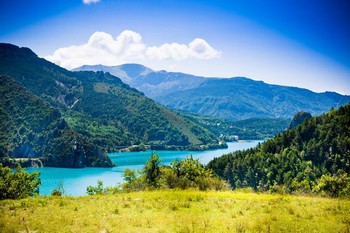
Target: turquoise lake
<point x="75" y="181"/>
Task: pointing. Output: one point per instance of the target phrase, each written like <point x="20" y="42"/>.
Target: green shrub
<point x="17" y="184"/>
<point x="101" y="190"/>
<point x="152" y="170"/>
<point x="59" y="191"/>
<point x="93" y="190"/>
<point x="334" y="186"/>
<point x="187" y="173"/>
<point x="135" y="181"/>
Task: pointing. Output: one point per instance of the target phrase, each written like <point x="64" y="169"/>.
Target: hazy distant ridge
<point x="231" y="98"/>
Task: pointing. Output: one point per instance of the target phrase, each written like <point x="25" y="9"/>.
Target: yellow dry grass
<point x="176" y="211"/>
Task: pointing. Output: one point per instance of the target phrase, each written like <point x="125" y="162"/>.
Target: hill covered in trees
<point x="97" y="108"/>
<point x="31" y="128"/>
<point x="314" y="156"/>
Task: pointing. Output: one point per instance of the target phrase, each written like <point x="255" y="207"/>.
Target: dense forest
<point x="30" y="128"/>
<point x="314" y="156"/>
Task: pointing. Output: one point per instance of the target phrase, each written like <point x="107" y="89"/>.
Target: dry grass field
<point x="176" y="211"/>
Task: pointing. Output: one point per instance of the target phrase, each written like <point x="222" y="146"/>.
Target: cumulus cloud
<point x="101" y="48"/>
<point x="128" y="46"/>
<point x="198" y="48"/>
<point x="88" y="2"/>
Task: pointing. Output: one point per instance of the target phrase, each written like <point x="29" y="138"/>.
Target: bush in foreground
<point x="184" y="174"/>
<point x="187" y="173"/>
<point x="18" y="184"/>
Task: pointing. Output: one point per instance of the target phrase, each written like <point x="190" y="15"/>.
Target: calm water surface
<point x="75" y="181"/>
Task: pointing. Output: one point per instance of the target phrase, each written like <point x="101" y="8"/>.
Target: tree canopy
<point x="312" y="157"/>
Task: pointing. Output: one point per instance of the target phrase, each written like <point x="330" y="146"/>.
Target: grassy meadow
<point x="176" y="211"/>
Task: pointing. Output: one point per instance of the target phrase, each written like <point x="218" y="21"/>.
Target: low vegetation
<point x="176" y="211"/>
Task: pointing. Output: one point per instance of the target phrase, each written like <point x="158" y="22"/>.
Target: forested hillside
<point x="31" y="128"/>
<point x="312" y="157"/>
<point x="100" y="107"/>
<point x="131" y="117"/>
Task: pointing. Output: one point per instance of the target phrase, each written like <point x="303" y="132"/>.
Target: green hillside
<point x="312" y="157"/>
<point x="100" y="107"/>
<point x="31" y="128"/>
<point x="132" y="117"/>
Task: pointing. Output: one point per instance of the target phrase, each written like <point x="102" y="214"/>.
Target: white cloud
<point x="101" y="48"/>
<point x="88" y="2"/>
<point x="128" y="46"/>
<point x="198" y="48"/>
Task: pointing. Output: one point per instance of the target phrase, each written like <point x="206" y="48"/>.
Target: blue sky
<point x="292" y="42"/>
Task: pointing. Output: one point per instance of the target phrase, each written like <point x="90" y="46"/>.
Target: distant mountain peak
<point x="134" y="70"/>
<point x="235" y="98"/>
<point x="126" y="72"/>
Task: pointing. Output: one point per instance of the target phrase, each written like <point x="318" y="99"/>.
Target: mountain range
<point x="236" y="98"/>
<point x="98" y="111"/>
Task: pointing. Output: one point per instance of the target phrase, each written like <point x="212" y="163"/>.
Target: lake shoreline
<point x="148" y="147"/>
<point x="75" y="181"/>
